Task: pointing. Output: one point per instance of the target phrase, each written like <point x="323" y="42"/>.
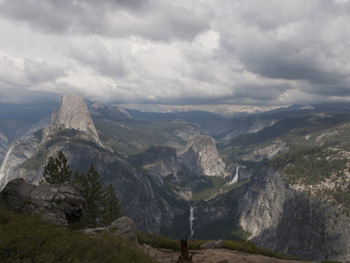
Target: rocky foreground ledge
<point x="61" y="204"/>
<point x="213" y="255"/>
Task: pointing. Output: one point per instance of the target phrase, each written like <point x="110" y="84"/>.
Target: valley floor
<point x="212" y="256"/>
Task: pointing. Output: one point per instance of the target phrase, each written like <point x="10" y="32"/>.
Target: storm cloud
<point x="271" y="52"/>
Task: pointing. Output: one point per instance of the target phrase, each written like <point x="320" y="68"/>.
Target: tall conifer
<point x="111" y="207"/>
<point x="93" y="191"/>
<point x="57" y="170"/>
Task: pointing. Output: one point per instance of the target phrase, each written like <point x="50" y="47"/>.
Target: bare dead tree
<point x="185" y="256"/>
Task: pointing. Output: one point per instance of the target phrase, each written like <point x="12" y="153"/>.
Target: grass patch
<point x="27" y="239"/>
<point x="248" y="247"/>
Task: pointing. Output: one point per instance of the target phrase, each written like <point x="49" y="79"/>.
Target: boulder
<point x="212" y="244"/>
<point x="123" y="226"/>
<point x="61" y="204"/>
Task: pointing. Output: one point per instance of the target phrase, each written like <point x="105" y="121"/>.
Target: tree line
<point x="102" y="204"/>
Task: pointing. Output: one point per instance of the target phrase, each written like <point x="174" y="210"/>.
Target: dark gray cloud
<point x="304" y="42"/>
<point x="159" y="20"/>
<point x="260" y="92"/>
<point x="291" y="66"/>
<point x="270" y="52"/>
<point x="135" y="5"/>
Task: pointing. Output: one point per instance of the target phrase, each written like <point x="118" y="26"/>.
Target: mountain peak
<point x="73" y="114"/>
<point x="201" y="157"/>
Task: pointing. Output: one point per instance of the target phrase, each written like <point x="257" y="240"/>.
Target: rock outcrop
<point x="61" y="204"/>
<point x="212" y="244"/>
<point x="4" y="146"/>
<point x="201" y="157"/>
<point x="292" y="222"/>
<point x="19" y="152"/>
<point x="123" y="226"/>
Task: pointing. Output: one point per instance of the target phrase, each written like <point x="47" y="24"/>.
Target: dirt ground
<point x="212" y="256"/>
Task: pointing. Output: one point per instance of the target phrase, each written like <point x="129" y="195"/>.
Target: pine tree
<point x="57" y="170"/>
<point x="111" y="206"/>
<point x="93" y="191"/>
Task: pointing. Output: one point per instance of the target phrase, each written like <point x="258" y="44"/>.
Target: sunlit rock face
<point x="201" y="157"/>
<point x="73" y="114"/>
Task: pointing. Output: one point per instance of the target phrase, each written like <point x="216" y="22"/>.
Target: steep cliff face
<point x="292" y="222"/>
<point x="201" y="157"/>
<point x="73" y="115"/>
<point x="10" y="131"/>
<point x="262" y="205"/>
<point x="19" y="152"/>
<point x="4" y="146"/>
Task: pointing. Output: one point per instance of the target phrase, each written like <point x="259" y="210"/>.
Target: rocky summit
<point x="73" y="114"/>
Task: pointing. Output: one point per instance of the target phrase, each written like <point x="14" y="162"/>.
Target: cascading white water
<point x="235" y="179"/>
<point x="191" y="218"/>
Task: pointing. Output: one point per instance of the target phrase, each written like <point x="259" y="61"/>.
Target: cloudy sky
<point x="251" y="52"/>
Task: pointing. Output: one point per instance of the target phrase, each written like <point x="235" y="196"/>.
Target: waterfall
<point x="235" y="179"/>
<point x="191" y="218"/>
